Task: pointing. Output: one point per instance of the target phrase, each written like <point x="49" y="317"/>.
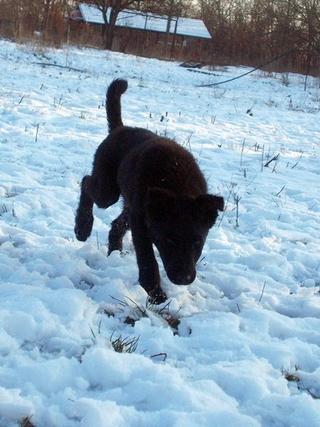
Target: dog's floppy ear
<point x="159" y="202"/>
<point x="207" y="207"/>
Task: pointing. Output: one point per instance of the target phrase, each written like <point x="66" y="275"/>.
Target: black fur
<point x="165" y="199"/>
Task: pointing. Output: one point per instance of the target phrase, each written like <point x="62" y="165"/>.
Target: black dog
<point x="165" y="198"/>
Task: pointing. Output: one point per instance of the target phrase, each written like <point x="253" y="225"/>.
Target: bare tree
<point x="172" y="10"/>
<point x="307" y="13"/>
<point x="254" y="31"/>
<point x="110" y="10"/>
<point x="45" y="16"/>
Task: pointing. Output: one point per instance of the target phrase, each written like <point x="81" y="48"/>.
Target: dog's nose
<point x="183" y="279"/>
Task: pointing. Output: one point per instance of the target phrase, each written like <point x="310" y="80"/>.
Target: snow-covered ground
<point x="241" y="345"/>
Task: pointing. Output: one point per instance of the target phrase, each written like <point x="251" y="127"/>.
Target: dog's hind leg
<point x="103" y="192"/>
<point x="119" y="227"/>
<point x="102" y="187"/>
<point x="84" y="217"/>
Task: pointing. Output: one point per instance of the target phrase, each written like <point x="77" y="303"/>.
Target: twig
<point x="37" y="131"/>
<point x="279" y="192"/>
<point x="137" y="306"/>
<point x="273" y="159"/>
<point x="262" y="292"/>
<point x="124" y="345"/>
<point x="21" y="99"/>
<point x="164" y="355"/>
<point x="97" y="240"/>
<point x="165" y="308"/>
<point x="225" y="207"/>
<point x="26" y="422"/>
<point x="123" y="303"/>
<point x="308" y="390"/>
<point x="237" y="199"/>
<point x="48" y="64"/>
<point x="297" y="162"/>
<point x="93" y="334"/>
<point x="262" y="157"/>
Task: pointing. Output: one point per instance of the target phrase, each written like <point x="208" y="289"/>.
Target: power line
<point x="251" y="71"/>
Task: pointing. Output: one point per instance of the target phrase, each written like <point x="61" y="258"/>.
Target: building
<point x="145" y="33"/>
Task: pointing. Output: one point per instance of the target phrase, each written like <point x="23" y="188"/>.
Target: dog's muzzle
<point x="181" y="278"/>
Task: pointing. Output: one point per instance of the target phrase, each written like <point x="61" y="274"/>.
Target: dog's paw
<point x="112" y="249"/>
<point x="83" y="227"/>
<point x="114" y="246"/>
<point x="157" y="296"/>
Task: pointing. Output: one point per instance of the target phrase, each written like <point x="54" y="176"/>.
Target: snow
<point x="247" y="349"/>
<point x="148" y="21"/>
<point x="191" y="27"/>
<point x="92" y="14"/>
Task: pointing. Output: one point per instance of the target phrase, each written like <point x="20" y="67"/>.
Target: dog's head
<point x="178" y="227"/>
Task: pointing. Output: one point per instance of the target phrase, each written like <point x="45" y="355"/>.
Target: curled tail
<point x="113" y="106"/>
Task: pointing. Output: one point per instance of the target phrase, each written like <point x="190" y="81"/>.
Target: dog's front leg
<point x="149" y="276"/>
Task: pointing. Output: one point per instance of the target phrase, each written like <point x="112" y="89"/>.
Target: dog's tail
<point x="113" y="106"/>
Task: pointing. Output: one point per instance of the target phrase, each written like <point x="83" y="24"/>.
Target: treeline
<point x="34" y="19"/>
<point x="249" y="32"/>
<point x="254" y="32"/>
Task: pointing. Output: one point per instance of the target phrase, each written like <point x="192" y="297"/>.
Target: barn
<point x="145" y="33"/>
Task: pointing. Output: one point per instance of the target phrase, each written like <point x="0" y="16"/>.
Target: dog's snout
<point x="182" y="278"/>
<point x="189" y="278"/>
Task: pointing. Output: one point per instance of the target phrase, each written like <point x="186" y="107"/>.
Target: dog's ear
<point x="207" y="207"/>
<point x="159" y="202"/>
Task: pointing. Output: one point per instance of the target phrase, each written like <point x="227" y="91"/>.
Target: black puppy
<point x="165" y="198"/>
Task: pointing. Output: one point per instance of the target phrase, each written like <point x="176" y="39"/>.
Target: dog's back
<point x="147" y="160"/>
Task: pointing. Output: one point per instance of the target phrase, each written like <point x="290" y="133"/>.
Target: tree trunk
<point x="110" y="26"/>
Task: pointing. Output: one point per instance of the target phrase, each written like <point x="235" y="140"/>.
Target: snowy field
<point x="240" y="347"/>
